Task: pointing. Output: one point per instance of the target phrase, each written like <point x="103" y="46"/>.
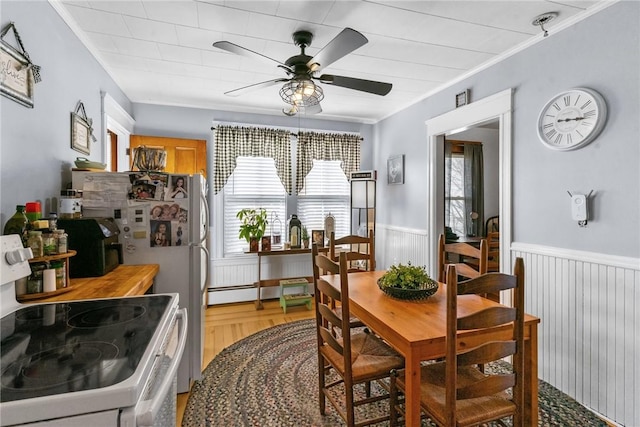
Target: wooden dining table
<point x="417" y="330"/>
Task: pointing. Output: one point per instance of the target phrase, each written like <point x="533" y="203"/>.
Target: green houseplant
<point x="304" y="235"/>
<point x="407" y="282"/>
<point x="253" y="223"/>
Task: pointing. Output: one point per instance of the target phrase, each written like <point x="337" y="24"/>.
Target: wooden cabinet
<point x="186" y="156"/>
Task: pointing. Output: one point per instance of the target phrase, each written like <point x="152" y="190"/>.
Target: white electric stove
<point x="104" y="362"/>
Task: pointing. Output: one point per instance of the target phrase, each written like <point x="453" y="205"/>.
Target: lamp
<point x="301" y="92"/>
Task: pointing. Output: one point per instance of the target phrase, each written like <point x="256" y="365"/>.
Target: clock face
<point x="572" y="119"/>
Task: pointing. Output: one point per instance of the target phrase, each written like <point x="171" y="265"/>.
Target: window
<point x="326" y="191"/>
<point x="456" y="198"/>
<point x="253" y="184"/>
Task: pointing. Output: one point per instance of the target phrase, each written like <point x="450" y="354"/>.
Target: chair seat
<point x="470" y="411"/>
<point x="371" y="357"/>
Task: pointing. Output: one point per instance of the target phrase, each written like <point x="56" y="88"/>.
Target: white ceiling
<point x="161" y="52"/>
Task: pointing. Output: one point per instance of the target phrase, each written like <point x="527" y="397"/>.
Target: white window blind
<point x="253" y="184"/>
<point x="326" y="191"/>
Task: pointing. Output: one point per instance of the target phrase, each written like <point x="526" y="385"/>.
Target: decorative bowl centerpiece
<point x="408" y="282"/>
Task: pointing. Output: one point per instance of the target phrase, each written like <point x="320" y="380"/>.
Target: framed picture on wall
<point x="16" y="76"/>
<point x="395" y="169"/>
<point x="80" y="134"/>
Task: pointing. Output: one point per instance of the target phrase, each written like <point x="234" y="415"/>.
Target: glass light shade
<point x="363" y="194"/>
<point x="301" y="92"/>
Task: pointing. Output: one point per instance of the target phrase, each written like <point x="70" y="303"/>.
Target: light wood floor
<point x="228" y="323"/>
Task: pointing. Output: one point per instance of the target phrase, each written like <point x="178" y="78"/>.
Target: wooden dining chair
<point x="454" y="392"/>
<point x="493" y="251"/>
<point x="361" y="252"/>
<point x="357" y="357"/>
<point x="470" y="261"/>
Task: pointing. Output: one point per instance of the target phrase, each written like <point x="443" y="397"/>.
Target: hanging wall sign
<point x="81" y="130"/>
<point x="18" y="74"/>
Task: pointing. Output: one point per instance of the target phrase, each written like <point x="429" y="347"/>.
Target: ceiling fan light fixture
<point x="301" y="92"/>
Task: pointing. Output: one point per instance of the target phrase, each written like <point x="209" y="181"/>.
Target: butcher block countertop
<point x="123" y="281"/>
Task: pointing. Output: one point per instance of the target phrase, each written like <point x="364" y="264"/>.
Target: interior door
<point x="188" y="156"/>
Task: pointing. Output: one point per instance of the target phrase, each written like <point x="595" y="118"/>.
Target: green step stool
<point x="300" y="295"/>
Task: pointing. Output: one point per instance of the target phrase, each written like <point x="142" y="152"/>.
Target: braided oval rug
<point x="270" y="379"/>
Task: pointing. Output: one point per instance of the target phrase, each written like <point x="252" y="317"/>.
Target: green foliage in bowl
<point x="407" y="282"/>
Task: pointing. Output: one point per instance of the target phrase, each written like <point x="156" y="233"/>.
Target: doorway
<point x="495" y="108"/>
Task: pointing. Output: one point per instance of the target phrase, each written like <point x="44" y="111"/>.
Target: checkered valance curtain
<point x="326" y="146"/>
<point x="232" y="142"/>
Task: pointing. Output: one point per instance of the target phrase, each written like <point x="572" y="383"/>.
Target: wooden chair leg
<point x="393" y="399"/>
<point x="321" y="384"/>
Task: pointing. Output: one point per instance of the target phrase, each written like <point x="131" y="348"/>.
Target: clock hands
<point x="568" y="120"/>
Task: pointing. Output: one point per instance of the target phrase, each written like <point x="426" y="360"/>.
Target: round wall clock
<point x="572" y="119"/>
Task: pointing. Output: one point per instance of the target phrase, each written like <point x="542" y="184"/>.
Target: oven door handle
<point x="146" y="416"/>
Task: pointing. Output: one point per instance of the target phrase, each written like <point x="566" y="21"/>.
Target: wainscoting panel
<point x="589" y="345"/>
<point x="400" y="245"/>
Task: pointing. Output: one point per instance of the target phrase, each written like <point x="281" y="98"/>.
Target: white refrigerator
<point x="163" y="219"/>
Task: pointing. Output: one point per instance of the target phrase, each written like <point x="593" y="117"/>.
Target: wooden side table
<point x="299" y="297"/>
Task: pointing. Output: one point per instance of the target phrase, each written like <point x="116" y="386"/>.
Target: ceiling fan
<point x="299" y="89"/>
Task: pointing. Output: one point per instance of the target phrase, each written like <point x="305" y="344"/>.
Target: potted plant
<point x="305" y="237"/>
<point x="253" y="223"/>
<point x="407" y="282"/>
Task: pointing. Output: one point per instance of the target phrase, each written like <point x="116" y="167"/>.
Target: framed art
<point x="80" y="134"/>
<point x="317" y="237"/>
<point x="395" y="169"/>
<point x="462" y="98"/>
<point x="16" y="75"/>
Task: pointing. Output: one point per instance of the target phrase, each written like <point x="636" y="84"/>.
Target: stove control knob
<point x="18" y="255"/>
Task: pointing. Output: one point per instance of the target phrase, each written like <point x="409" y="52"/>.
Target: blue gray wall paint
<point x="35" y="149"/>
<point x="587" y="54"/>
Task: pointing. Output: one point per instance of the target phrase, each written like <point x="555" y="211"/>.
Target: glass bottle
<point x="61" y="239"/>
<point x="18" y="224"/>
<point x="276" y="230"/>
<point x="35" y="243"/>
<point x="48" y="244"/>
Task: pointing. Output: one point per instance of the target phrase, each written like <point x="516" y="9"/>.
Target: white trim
<point x="516" y="49"/>
<point x="117" y="120"/>
<point x="489" y="108"/>
<point x="419" y="231"/>
<point x="582" y="256"/>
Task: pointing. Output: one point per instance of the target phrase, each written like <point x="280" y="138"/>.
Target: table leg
<point x="531" y="377"/>
<point x="412" y="391"/>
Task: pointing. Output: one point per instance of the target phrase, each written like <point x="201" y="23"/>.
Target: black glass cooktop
<point x="82" y="345"/>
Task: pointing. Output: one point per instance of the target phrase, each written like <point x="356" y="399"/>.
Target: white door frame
<point x="497" y="106"/>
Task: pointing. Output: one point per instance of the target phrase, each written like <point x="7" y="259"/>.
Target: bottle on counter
<point x="53" y="221"/>
<point x="61" y="278"/>
<point x="49" y="244"/>
<point x="61" y="239"/>
<point x="18" y="224"/>
<point x="33" y="211"/>
<point x="35" y="243"/>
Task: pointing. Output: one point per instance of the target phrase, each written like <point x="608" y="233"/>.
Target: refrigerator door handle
<point x="203" y="236"/>
<point x="206" y="271"/>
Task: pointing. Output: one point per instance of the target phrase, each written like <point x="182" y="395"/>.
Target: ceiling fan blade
<point x="255" y="86"/>
<point x="378" y="88"/>
<point x="247" y="53"/>
<point x="344" y="43"/>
